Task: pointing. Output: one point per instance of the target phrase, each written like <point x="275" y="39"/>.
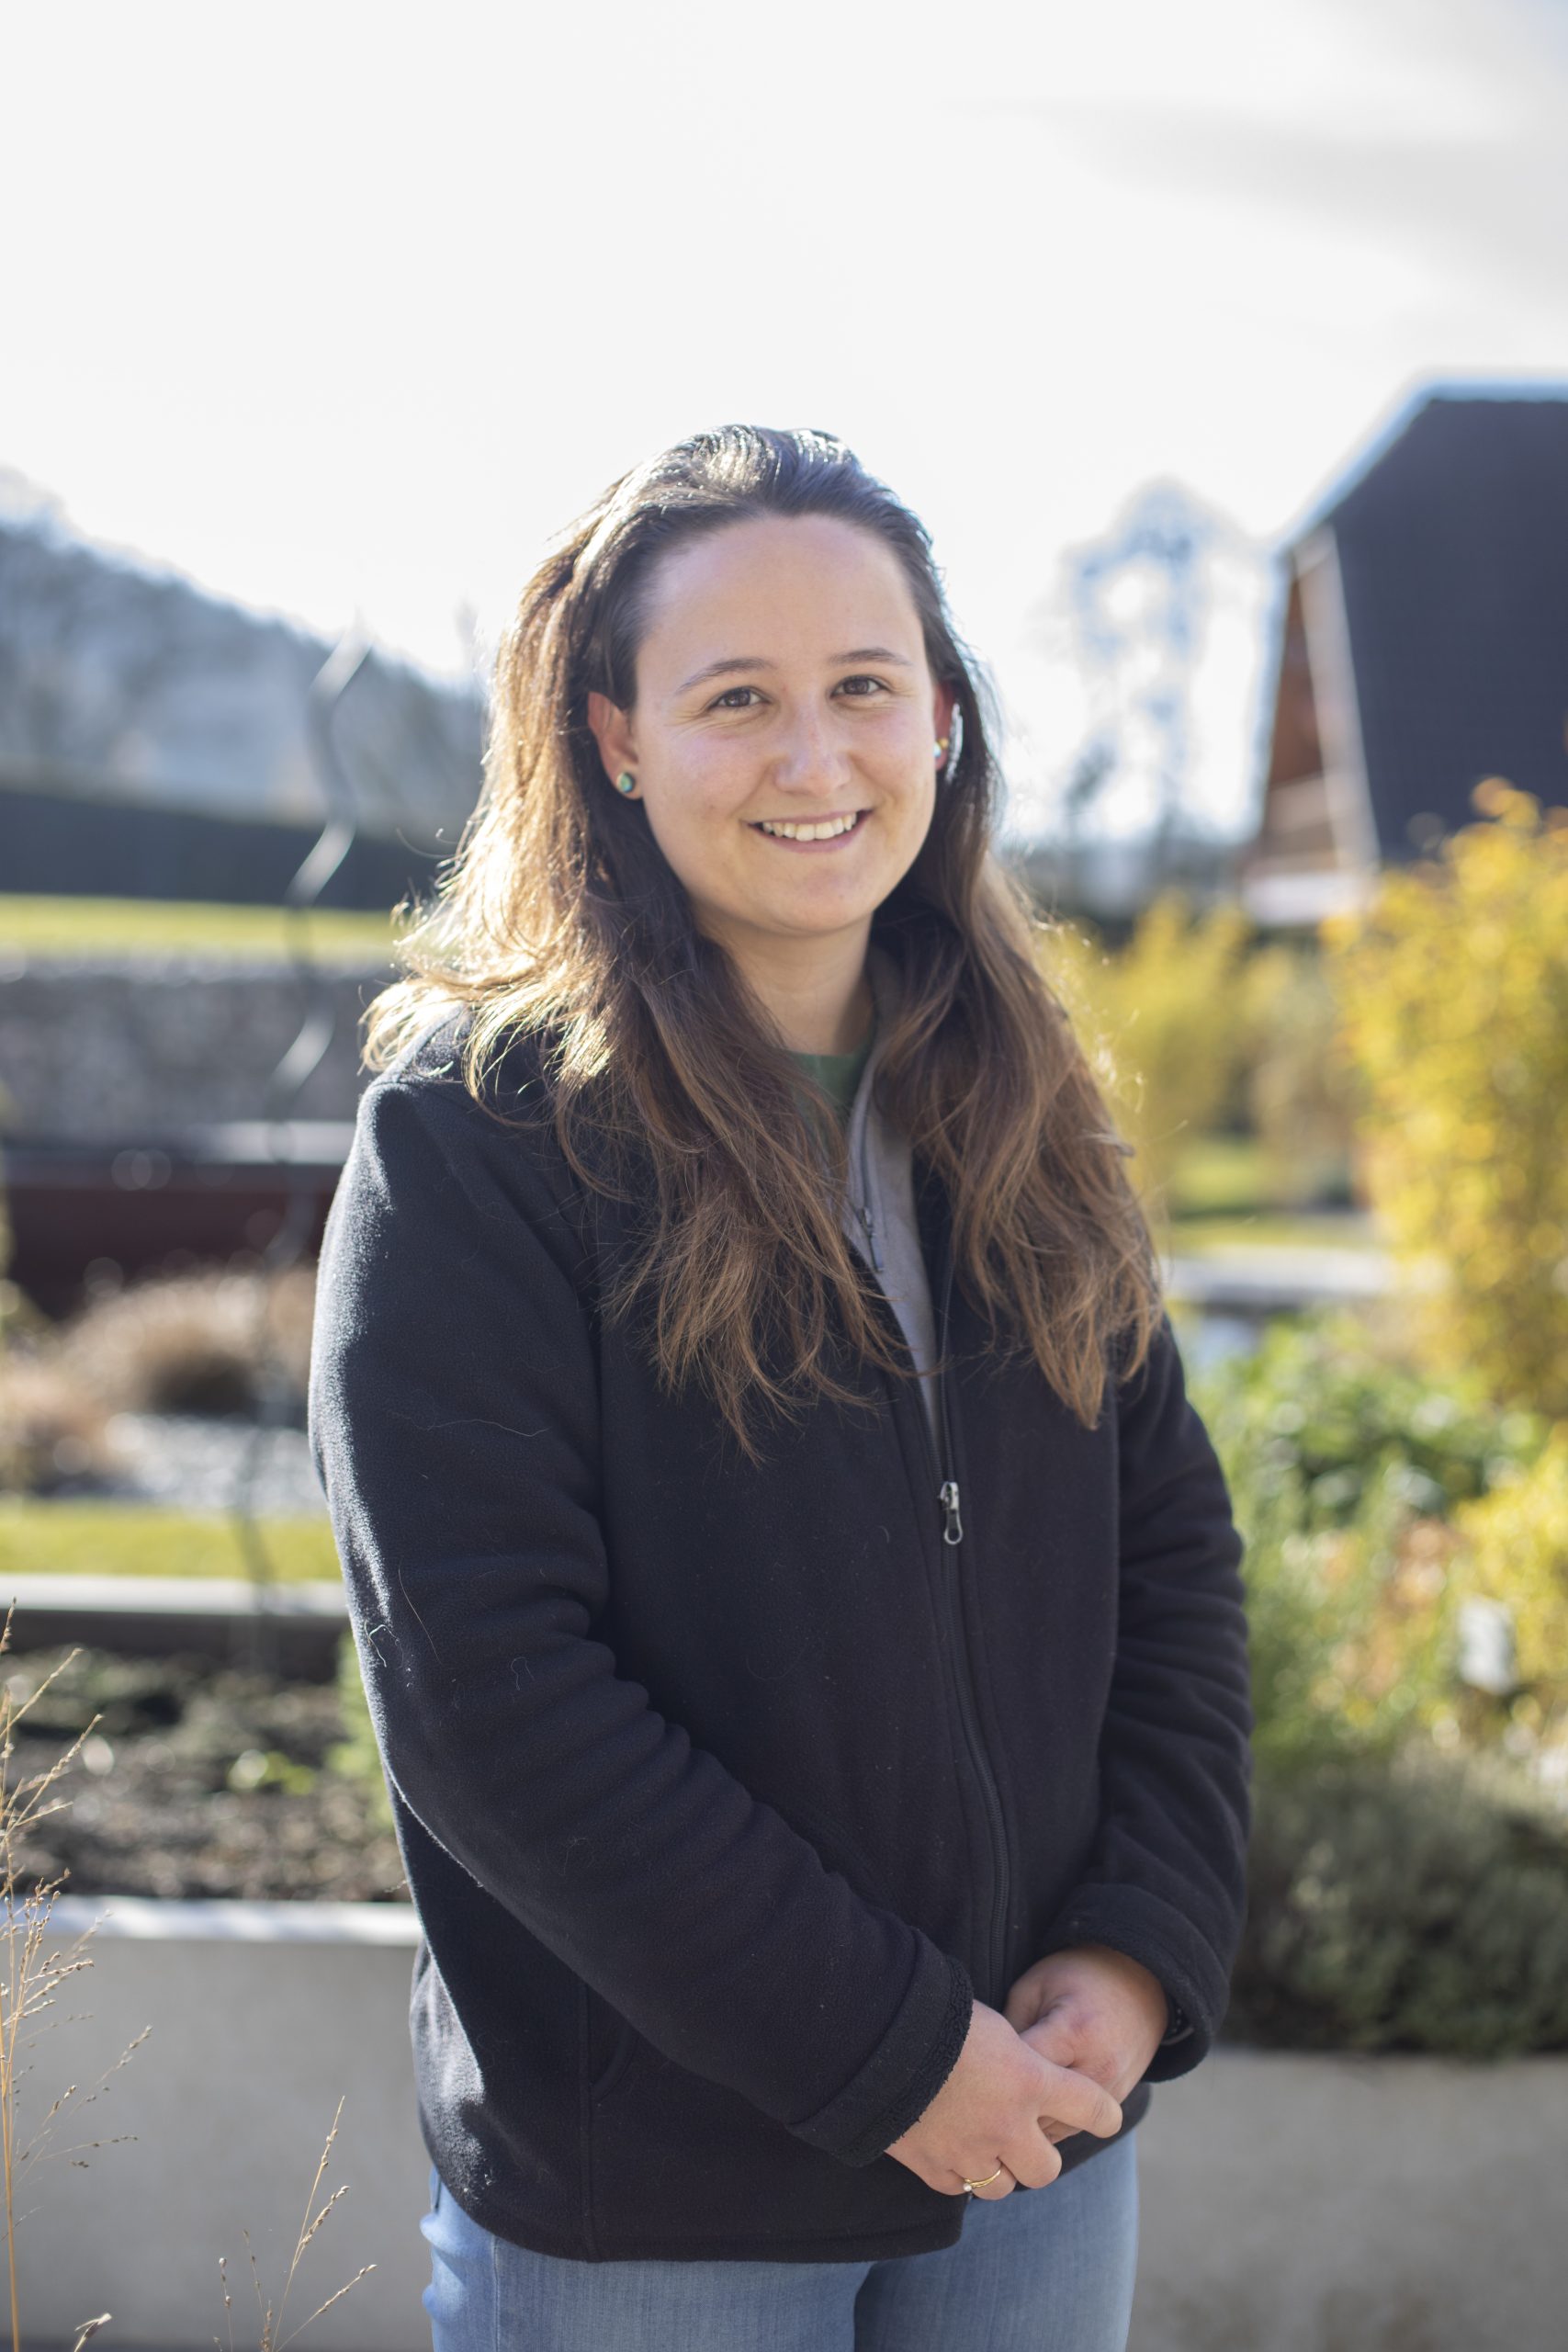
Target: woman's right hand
<point x="991" y="2111"/>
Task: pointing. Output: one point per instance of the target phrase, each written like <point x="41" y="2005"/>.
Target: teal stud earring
<point x="626" y="781"/>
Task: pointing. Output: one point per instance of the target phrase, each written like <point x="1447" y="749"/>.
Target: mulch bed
<point x="198" y="1780"/>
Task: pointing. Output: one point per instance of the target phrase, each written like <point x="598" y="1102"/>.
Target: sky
<point x="340" y="310"/>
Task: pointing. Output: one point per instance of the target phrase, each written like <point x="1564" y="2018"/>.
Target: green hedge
<point x="1410" y="1905"/>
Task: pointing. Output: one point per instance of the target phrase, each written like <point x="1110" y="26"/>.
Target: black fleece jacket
<point x="724" y="1788"/>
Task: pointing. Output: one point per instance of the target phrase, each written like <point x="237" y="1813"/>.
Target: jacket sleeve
<point x="1166" y="1882"/>
<point x="454" y="1415"/>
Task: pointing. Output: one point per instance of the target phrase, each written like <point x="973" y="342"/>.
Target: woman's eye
<point x="855" y="686"/>
<point x="727" y="700"/>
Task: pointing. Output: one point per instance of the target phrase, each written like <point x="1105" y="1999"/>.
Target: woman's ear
<point x="612" y="730"/>
<point x="944" y="702"/>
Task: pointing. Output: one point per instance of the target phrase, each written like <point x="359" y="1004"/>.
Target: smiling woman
<point x="714" y="637"/>
<point x="797" y="1603"/>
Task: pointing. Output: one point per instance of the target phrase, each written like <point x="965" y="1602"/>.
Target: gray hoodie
<point x="879" y="1211"/>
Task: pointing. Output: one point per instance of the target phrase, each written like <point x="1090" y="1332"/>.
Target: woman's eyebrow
<point x="737" y="661"/>
<point x="724" y="669"/>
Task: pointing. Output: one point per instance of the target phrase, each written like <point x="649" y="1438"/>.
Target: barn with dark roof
<point x="1423" y="647"/>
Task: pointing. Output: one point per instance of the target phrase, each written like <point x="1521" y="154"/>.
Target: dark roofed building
<point x="1424" y="647"/>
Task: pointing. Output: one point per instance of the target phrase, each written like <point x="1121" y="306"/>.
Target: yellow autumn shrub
<point x="1515" y="1551"/>
<point x="1296" y="1093"/>
<point x="1452" y="987"/>
<point x="1162" y="1023"/>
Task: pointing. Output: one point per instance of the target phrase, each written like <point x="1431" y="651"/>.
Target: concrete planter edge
<point x="1290" y="2202"/>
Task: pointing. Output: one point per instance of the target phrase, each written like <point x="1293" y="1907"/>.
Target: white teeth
<point x="828" y="830"/>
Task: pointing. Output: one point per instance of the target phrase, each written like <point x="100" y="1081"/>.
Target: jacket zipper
<point x="953" y="1538"/>
<point x="946" y="1487"/>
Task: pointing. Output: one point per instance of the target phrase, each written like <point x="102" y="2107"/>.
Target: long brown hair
<point x="668" y="1082"/>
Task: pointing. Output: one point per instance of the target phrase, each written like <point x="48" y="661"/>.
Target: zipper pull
<point x="952" y="1532"/>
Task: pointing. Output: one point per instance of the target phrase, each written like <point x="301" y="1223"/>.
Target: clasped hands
<point x="1076" y="2032"/>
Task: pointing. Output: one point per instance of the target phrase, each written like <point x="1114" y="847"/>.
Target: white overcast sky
<point x="339" y="309"/>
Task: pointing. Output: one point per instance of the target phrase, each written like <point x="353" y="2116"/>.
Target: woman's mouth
<point x="816" y="833"/>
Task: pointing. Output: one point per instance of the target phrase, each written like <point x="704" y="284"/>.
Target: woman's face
<point x="782" y="738"/>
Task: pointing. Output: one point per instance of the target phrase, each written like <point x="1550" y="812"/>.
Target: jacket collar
<point x="873" y="1141"/>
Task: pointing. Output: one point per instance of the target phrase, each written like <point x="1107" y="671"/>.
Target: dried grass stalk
<point x="271" y="2321"/>
<point x="32" y="1970"/>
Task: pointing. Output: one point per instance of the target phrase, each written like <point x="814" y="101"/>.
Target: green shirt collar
<point x="839" y="1074"/>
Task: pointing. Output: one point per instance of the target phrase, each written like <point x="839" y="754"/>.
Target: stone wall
<point x="144" y="1052"/>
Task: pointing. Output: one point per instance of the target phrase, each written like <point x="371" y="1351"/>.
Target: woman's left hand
<point x="1093" y="2009"/>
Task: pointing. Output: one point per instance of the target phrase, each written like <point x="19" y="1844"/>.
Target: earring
<point x="941" y="743"/>
<point x="626" y="781"/>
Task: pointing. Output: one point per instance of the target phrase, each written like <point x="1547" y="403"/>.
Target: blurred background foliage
<point x="1516" y="1555"/>
<point x="1400" y="1472"/>
<point x="1407" y="1903"/>
<point x="1216" y="1048"/>
<point x="1453" y="997"/>
<point x="1147" y="1013"/>
<point x="1348" y="1469"/>
<point x="1409" y="1870"/>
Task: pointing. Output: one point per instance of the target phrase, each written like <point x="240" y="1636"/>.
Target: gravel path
<point x="200" y="1465"/>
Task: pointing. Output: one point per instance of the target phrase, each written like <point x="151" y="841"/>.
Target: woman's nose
<point x="811" y="760"/>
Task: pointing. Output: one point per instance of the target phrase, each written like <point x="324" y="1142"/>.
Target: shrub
<point x="1453" y="989"/>
<point x="1514" y="1554"/>
<point x="52" y="1427"/>
<point x="1321" y="1410"/>
<point x="1343" y="1468"/>
<point x="1351" y="1633"/>
<point x="1155" y="1019"/>
<point x="204" y="1342"/>
<point x="1295" y="1088"/>
<point x="1418" y="1905"/>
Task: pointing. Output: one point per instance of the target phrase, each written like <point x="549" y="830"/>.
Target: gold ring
<point x="986" y="2182"/>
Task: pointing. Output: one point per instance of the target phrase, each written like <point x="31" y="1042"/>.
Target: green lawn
<point x="62" y="927"/>
<point x="1223" y="1192"/>
<point x="1271" y="1228"/>
<point x="38" y="1538"/>
<point x="1216" y="1173"/>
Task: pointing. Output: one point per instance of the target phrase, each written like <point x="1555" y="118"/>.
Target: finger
<point x="1003" y="2186"/>
<point x="1033" y="2161"/>
<point x="1055" y="2035"/>
<point x="937" y="2177"/>
<point x="1080" y="2103"/>
<point x="1023" y="2006"/>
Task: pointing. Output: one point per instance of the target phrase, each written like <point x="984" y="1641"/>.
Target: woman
<point x="799" y="1608"/>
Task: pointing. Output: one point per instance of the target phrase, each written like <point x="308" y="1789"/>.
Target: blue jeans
<point x="1043" y="2271"/>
